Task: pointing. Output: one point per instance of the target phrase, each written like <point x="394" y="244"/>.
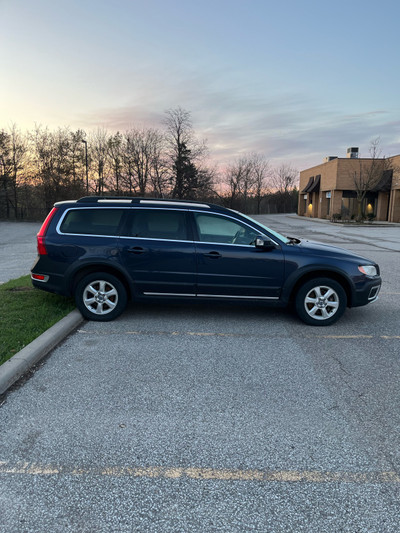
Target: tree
<point x="116" y="157"/>
<point x="99" y="151"/>
<point x="239" y="179"/>
<point x="184" y="152"/>
<point x="13" y="152"/>
<point x="5" y="159"/>
<point x="42" y="164"/>
<point x="368" y="175"/>
<point x="56" y="164"/>
<point x="284" y="180"/>
<point x="159" y="165"/>
<point x="247" y="177"/>
<point x="143" y="158"/>
<point x="78" y="160"/>
<point x="261" y="171"/>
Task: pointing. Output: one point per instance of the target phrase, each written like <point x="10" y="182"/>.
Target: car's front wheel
<point x="321" y="301"/>
<point x="100" y="296"/>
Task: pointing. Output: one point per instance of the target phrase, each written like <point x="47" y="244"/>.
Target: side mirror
<point x="263" y="243"/>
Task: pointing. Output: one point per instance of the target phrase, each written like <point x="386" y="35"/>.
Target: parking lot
<point x="189" y="418"/>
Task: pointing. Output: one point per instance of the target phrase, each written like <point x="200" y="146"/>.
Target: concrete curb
<point x="22" y="361"/>
<point x="350" y="224"/>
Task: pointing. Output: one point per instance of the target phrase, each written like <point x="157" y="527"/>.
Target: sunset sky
<point x="294" y="80"/>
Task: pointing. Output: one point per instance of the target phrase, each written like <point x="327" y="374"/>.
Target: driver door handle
<point x="137" y="250"/>
<point x="213" y="255"/>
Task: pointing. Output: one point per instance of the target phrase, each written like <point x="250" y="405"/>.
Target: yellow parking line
<point x="239" y="335"/>
<point x="202" y="474"/>
<point x="388" y="292"/>
<point x="340" y="336"/>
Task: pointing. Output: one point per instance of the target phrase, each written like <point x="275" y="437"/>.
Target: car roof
<point x="91" y="201"/>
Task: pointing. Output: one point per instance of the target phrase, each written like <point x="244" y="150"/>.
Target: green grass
<point x="26" y="313"/>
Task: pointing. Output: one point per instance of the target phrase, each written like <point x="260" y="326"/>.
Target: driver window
<point x="218" y="229"/>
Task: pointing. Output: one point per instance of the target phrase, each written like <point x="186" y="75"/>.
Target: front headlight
<point x="368" y="270"/>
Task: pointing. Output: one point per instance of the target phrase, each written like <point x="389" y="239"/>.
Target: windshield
<point x="269" y="230"/>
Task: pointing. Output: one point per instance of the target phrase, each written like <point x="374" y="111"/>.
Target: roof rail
<point x="94" y="199"/>
<point x="141" y="200"/>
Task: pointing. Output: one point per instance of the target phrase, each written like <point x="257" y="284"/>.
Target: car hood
<point x="319" y="248"/>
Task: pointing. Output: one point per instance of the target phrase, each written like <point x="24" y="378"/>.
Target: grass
<point x="26" y="313"/>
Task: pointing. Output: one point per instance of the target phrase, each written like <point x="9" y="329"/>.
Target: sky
<point x="294" y="80"/>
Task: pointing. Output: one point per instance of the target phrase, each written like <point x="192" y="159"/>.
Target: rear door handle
<point x="137" y="250"/>
<point x="213" y="255"/>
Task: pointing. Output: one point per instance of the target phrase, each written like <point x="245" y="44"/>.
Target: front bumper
<point x="368" y="293"/>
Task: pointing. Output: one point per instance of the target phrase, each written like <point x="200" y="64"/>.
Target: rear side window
<point x="157" y="224"/>
<point x="92" y="221"/>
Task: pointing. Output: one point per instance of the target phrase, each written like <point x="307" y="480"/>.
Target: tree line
<point x="40" y="167"/>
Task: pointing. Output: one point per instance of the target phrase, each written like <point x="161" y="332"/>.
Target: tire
<point x="100" y="296"/>
<point x="321" y="302"/>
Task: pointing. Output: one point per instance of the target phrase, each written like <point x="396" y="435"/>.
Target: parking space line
<point x="201" y="474"/>
<point x="234" y="335"/>
<point x="340" y="336"/>
<point x="388" y="292"/>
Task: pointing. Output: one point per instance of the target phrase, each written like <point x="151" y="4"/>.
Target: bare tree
<point x="184" y="151"/>
<point x="143" y="148"/>
<point x="77" y="156"/>
<point x="261" y="170"/>
<point x="13" y="156"/>
<point x="284" y="178"/>
<point x="368" y="175"/>
<point x="115" y="152"/>
<point x="247" y="177"/>
<point x="5" y="169"/>
<point x="56" y="163"/>
<point x="239" y="177"/>
<point x="283" y="181"/>
<point x="99" y="157"/>
<point x="159" y="175"/>
<point x="42" y="163"/>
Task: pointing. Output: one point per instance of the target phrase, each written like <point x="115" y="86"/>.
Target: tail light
<point x="41" y="245"/>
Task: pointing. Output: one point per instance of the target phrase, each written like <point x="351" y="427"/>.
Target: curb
<point x="377" y="224"/>
<point x="21" y="362"/>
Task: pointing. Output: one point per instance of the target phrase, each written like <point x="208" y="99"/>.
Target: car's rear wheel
<point x="100" y="296"/>
<point x="321" y="301"/>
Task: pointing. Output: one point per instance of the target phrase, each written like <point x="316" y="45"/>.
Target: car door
<point x="228" y="263"/>
<point x="157" y="249"/>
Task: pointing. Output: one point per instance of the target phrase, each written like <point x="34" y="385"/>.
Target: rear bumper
<point x="50" y="283"/>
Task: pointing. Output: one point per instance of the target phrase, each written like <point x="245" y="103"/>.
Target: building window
<point x="349" y="207"/>
<point x="328" y="196"/>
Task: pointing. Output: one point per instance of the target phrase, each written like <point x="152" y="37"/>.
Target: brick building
<point x="329" y="189"/>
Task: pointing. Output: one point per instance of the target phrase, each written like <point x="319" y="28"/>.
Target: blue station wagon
<point x="105" y="251"/>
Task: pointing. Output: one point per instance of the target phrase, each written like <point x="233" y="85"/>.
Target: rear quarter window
<point x="92" y="221"/>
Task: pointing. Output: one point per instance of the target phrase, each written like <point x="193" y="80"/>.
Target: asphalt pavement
<point x="215" y="418"/>
<point x="17" y="248"/>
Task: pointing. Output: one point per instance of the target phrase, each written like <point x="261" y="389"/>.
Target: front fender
<point x="296" y="278"/>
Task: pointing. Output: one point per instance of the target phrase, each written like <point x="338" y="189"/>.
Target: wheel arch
<point x="84" y="270"/>
<point x="322" y="273"/>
